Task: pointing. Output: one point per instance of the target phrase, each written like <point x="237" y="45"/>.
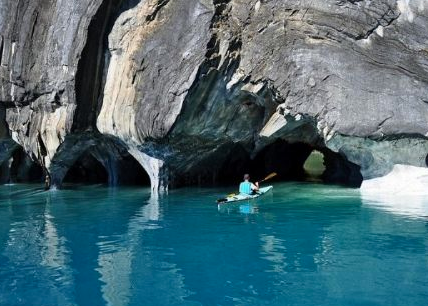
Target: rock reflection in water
<point x="36" y="256"/>
<point x="413" y="206"/>
<point x="127" y="268"/>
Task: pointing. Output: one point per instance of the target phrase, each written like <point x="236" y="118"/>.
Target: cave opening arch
<point x="86" y="170"/>
<point x="131" y="172"/>
<point x="108" y="166"/>
<point x="21" y="168"/>
<point x="289" y="160"/>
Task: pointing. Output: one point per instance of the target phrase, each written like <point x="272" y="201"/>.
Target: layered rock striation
<point x="202" y="90"/>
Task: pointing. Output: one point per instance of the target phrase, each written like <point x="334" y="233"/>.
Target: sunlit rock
<point x="403" y="191"/>
<point x="196" y="89"/>
<point x="402" y="180"/>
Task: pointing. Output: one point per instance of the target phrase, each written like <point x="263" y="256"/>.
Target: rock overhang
<point x="182" y="80"/>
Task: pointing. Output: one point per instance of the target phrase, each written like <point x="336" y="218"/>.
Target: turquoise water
<point x="302" y="244"/>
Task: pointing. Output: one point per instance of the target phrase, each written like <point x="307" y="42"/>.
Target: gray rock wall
<point x="180" y="84"/>
<point x="42" y="44"/>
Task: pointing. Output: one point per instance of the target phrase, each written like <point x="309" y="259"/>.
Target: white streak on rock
<point x="12" y="88"/>
<point x="406" y="11"/>
<point x="257" y="6"/>
<point x="236" y="78"/>
<point x="154" y="167"/>
<point x="253" y="88"/>
<point x="364" y="43"/>
<point x="275" y="123"/>
<point x="379" y="31"/>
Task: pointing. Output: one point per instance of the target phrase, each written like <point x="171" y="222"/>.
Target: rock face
<point x="203" y="90"/>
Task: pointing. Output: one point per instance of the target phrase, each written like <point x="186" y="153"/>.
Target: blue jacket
<point x="245" y="187"/>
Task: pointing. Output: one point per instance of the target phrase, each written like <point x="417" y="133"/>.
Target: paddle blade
<point x="273" y="174"/>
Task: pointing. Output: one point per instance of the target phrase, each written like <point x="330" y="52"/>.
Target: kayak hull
<point x="244" y="197"/>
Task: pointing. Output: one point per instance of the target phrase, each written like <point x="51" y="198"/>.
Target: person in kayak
<point x="247" y="187"/>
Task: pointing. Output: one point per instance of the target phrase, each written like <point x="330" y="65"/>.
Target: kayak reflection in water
<point x="247" y="209"/>
<point x="246" y="187"/>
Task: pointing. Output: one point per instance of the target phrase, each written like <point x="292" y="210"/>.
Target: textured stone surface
<point x="42" y="42"/>
<point x="185" y="85"/>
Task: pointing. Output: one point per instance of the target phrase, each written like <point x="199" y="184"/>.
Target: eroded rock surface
<point x="186" y="86"/>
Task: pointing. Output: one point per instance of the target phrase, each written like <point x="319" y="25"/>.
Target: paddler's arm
<point x="255" y="186"/>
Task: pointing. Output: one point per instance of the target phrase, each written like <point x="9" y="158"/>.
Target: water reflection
<point x="273" y="250"/>
<point x="246" y="208"/>
<point x="129" y="268"/>
<point x="54" y="251"/>
<point x="414" y="206"/>
<point x="35" y="256"/>
<point x="121" y="247"/>
<point x="115" y="259"/>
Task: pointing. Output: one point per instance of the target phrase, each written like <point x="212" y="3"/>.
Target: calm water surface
<point x="302" y="244"/>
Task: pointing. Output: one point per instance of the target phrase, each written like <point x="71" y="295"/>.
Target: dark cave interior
<point x="288" y="160"/>
<point x="124" y="170"/>
<point x="20" y="168"/>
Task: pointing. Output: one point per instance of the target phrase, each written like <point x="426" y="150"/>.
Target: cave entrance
<point x="112" y="168"/>
<point x="87" y="170"/>
<point x="281" y="157"/>
<point x="338" y="170"/>
<point x="22" y="169"/>
<point x="130" y="172"/>
<point x="292" y="162"/>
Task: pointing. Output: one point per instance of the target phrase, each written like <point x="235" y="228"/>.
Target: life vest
<point x="245" y="187"/>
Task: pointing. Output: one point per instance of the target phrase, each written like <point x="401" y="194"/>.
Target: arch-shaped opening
<point x="131" y="173"/>
<point x="22" y="169"/>
<point x="87" y="170"/>
<point x="286" y="159"/>
<point x="291" y="161"/>
<point x="281" y="157"/>
<point x="102" y="166"/>
<point x="339" y="170"/>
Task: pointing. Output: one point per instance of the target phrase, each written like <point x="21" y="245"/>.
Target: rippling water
<point x="302" y="244"/>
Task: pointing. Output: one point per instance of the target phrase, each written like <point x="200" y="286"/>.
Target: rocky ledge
<point x="195" y="91"/>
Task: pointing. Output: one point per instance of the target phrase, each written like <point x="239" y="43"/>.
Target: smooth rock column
<point x="155" y="168"/>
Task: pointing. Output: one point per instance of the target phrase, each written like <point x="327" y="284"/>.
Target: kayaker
<point x="247" y="187"/>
